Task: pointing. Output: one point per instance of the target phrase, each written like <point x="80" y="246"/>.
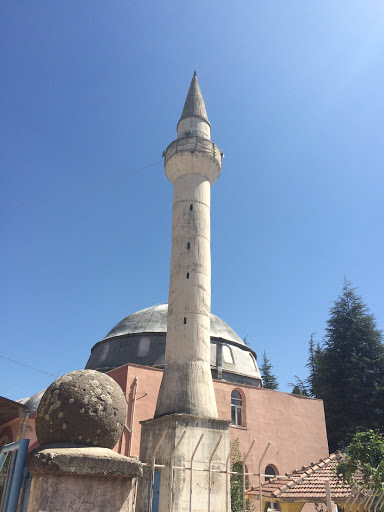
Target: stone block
<point x="175" y="490"/>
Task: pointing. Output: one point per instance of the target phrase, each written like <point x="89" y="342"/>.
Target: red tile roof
<point x="307" y="483"/>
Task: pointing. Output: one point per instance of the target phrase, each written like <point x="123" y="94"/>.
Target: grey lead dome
<point x="140" y="339"/>
<point x="154" y="319"/>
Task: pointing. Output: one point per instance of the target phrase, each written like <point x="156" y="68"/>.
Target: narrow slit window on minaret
<point x="191" y="206"/>
<point x="187" y="275"/>
<point x="185" y="320"/>
<point x="188" y="245"/>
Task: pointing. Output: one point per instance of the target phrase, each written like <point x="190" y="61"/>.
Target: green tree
<point x="348" y="370"/>
<point x="237" y="488"/>
<point x="313" y="365"/>
<point x="299" y="387"/>
<point x="308" y="386"/>
<point x="269" y="379"/>
<point x="236" y="481"/>
<point x="366" y="454"/>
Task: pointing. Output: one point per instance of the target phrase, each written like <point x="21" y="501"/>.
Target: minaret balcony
<point x="192" y="155"/>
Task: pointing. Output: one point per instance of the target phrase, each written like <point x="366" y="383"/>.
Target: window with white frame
<point x="236" y="408"/>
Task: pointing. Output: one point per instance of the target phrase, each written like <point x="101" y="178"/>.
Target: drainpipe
<point x="219" y="360"/>
<point x="24" y="425"/>
<point x="132" y="418"/>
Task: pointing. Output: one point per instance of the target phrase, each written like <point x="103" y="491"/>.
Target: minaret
<point x="186" y="425"/>
<point x="192" y="163"/>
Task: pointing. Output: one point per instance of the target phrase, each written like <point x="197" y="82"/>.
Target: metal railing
<point x="198" y="144"/>
<point x="367" y="500"/>
<point x="17" y="475"/>
<point x="225" y="470"/>
<point x="360" y="499"/>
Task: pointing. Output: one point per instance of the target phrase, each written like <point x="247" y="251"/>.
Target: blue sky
<point x="92" y="91"/>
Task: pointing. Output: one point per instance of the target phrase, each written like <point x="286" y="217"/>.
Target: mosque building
<point x="134" y="352"/>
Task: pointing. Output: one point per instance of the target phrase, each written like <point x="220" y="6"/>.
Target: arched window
<point x="270" y="472"/>
<point x="236" y="408"/>
<point x="227" y="354"/>
<point x="144" y="346"/>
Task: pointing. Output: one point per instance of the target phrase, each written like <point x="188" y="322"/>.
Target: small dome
<point x="32" y="403"/>
<point x="140" y="339"/>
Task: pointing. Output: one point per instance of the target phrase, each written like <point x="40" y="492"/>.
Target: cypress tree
<point x="347" y="372"/>
<point x="269" y="379"/>
<point x="299" y="387"/>
<point x="313" y="365"/>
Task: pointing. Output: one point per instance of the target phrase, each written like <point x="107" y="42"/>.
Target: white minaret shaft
<point x="192" y="163"/>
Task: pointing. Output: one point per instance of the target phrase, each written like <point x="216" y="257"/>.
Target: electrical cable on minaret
<point x="192" y="163"/>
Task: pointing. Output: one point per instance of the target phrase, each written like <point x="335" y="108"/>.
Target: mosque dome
<point x="32" y="403"/>
<point x="140" y="339"/>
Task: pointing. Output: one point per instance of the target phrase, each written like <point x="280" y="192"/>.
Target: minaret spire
<point x="194" y="118"/>
<point x="194" y="105"/>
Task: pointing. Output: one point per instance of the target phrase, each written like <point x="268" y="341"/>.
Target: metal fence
<point x="225" y="469"/>
<point x="366" y="500"/>
<point x="16" y="489"/>
<point x="360" y="500"/>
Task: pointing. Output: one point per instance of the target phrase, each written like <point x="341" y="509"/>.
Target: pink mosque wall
<point x="294" y="424"/>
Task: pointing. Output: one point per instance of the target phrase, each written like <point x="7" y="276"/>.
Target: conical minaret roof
<point x="194" y="104"/>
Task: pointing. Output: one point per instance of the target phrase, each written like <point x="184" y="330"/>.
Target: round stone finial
<point x="82" y="407"/>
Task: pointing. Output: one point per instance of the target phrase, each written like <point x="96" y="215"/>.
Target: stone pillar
<point x="86" y="479"/>
<point x="175" y="492"/>
<point x="79" y="419"/>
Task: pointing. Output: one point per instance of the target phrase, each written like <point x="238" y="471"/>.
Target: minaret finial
<point x="195" y="73"/>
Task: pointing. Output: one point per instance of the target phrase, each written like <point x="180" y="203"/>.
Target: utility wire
<point x="81" y="189"/>
<point x="27" y="366"/>
<point x="12" y="387"/>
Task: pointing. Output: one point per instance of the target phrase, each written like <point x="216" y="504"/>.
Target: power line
<point x="81" y="189"/>
<point x="27" y="366"/>
<point x="12" y="387"/>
